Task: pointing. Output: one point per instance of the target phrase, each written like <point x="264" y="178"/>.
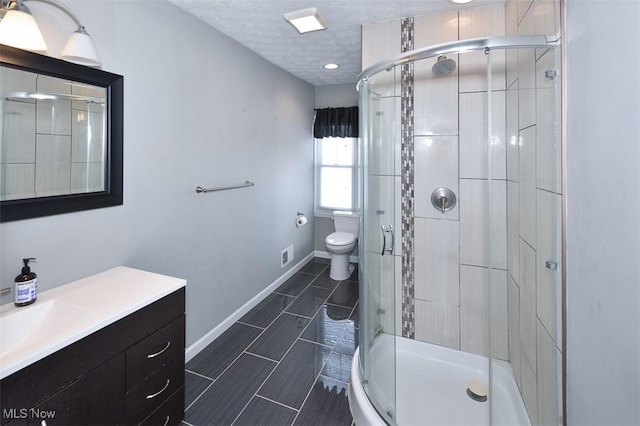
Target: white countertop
<point x="68" y="313"/>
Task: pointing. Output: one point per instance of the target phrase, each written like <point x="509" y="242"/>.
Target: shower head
<point x="443" y="66"/>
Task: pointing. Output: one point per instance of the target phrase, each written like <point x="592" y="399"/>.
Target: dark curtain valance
<point x="336" y="123"/>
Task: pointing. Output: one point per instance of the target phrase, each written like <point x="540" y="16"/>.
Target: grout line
<point x="278" y="402"/>
<point x="199" y="396"/>
<point x="201" y="375"/>
<point x="261" y="356"/>
<point x="252" y="325"/>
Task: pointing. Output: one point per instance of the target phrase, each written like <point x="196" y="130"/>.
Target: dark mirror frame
<point x="11" y="210"/>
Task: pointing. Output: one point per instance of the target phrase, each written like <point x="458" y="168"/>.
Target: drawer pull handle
<point x="161" y="352"/>
<point x="153" y="395"/>
<point x="166" y="422"/>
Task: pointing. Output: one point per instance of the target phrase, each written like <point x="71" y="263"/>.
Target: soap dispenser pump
<point x="26" y="285"/>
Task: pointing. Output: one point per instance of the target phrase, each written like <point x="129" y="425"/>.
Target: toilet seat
<point x="340" y="239"/>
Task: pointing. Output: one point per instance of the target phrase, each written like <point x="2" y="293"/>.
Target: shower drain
<point x="477" y="390"/>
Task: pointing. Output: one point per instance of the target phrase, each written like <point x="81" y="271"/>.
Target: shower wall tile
<point x="53" y="165"/>
<point x="549" y="379"/>
<point x="549" y="281"/>
<point x="476" y="286"/>
<point x="87" y="177"/>
<point x="19" y="132"/>
<point x="53" y="117"/>
<point x="380" y="41"/>
<point x="474" y="232"/>
<point x="87" y="144"/>
<point x="546" y="15"/>
<point x="438" y="323"/>
<point x="17" y="80"/>
<point x="513" y="295"/>
<point x="523" y="7"/>
<point x="513" y="230"/>
<point x="527" y="186"/>
<point x="384" y="154"/>
<point x="436" y="160"/>
<point x="20" y="180"/>
<point x="511" y="28"/>
<point x="548" y="160"/>
<point x="528" y="317"/>
<point x="385" y="294"/>
<point x="482" y="22"/>
<point x="527" y="78"/>
<point x="474" y="317"/>
<point x="435" y="28"/>
<point x="436" y="101"/>
<point x="437" y="274"/>
<point x="473" y="136"/>
<point x="512" y="143"/>
<point x="50" y="84"/>
<point x="529" y="390"/>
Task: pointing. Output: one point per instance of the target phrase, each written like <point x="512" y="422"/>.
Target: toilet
<point x="341" y="243"/>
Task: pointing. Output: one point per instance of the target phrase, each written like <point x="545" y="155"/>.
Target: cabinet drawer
<point x="169" y="413"/>
<point x="154" y="351"/>
<point x="151" y="393"/>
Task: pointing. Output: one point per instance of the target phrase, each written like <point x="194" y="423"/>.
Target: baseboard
<point x="327" y="255"/>
<point x="212" y="335"/>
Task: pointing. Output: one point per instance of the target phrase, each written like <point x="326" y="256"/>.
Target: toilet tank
<point x="344" y="221"/>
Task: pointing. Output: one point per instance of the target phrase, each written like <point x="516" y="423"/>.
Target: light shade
<point x="19" y="29"/>
<point x="80" y="49"/>
<point x="306" y="20"/>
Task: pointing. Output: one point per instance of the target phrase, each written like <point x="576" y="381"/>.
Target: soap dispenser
<point x="26" y="285"/>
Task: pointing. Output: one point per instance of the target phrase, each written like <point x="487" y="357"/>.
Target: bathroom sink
<point x="21" y="327"/>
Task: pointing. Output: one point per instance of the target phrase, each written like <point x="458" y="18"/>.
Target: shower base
<point x="432" y="386"/>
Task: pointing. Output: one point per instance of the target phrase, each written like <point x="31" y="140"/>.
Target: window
<point x="336" y="175"/>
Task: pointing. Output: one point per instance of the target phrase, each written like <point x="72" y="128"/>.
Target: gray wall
<point x="333" y="96"/>
<point x="199" y="110"/>
<point x="603" y="241"/>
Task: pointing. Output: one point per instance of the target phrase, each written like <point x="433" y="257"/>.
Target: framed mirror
<point x="61" y="136"/>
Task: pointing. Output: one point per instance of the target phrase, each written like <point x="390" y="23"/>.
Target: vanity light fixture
<point x="19" y="29"/>
<point x="331" y="66"/>
<point x="306" y="20"/>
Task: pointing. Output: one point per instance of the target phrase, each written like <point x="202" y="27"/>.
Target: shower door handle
<point x="384" y="240"/>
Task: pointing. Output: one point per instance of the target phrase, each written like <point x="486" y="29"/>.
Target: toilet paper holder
<point x="301" y="220"/>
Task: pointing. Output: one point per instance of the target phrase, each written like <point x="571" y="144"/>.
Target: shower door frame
<point x="485" y="44"/>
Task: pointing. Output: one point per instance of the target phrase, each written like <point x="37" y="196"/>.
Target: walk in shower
<point x="460" y="244"/>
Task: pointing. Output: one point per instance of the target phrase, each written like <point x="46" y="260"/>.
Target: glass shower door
<point x="379" y="245"/>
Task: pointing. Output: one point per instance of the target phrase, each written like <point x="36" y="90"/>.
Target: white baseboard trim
<point x="327" y="255"/>
<point x="212" y="335"/>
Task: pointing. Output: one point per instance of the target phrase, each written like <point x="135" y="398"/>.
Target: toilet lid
<point x="341" y="238"/>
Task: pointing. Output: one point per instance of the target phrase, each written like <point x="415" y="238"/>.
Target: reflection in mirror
<point x="61" y="136"/>
<point x="52" y="139"/>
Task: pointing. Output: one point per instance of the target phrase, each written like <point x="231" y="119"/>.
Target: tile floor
<point x="286" y="362"/>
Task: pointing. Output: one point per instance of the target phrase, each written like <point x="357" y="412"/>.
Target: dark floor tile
<point x="295" y="374"/>
<point x="355" y="315"/>
<point x="296" y="284"/>
<point x="315" y="266"/>
<point x="328" y="325"/>
<point x="266" y="311"/>
<point x="309" y="301"/>
<point x="348" y="341"/>
<point x="276" y="340"/>
<point x="327" y="404"/>
<point x="346" y="294"/>
<point x="226" y="398"/>
<point x="324" y="281"/>
<point x="194" y="385"/>
<point x="265" y="413"/>
<point x="216" y="357"/>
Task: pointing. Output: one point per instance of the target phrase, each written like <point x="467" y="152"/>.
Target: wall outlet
<point x="286" y="256"/>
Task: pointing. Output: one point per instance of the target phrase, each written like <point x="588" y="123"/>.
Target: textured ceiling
<point x="260" y="26"/>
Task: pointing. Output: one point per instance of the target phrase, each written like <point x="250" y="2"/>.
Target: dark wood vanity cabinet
<point x="130" y="372"/>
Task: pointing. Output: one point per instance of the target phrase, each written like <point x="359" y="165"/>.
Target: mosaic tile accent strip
<point x="407" y="183"/>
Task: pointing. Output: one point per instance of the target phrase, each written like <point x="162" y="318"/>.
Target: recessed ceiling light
<point x="460" y="1"/>
<point x="331" y="66"/>
<point x="306" y="20"/>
